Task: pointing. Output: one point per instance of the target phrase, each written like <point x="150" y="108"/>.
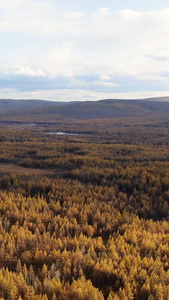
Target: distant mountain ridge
<point x="43" y="110"/>
<point x="11" y="104"/>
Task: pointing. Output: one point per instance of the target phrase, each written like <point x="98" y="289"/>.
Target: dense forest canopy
<point x="84" y="216"/>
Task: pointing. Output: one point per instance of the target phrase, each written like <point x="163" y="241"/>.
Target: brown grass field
<point x="11" y="168"/>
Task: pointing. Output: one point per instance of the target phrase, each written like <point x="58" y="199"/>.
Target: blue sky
<point x="84" y="50"/>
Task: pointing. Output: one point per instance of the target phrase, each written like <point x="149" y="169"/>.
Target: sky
<point x="84" y="49"/>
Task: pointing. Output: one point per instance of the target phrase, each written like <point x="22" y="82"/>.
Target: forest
<point x="84" y="216"/>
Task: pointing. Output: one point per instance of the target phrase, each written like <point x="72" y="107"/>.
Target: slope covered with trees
<point x="97" y="226"/>
<point x="52" y="111"/>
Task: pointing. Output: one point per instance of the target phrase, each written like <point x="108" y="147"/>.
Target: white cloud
<point x="110" y="44"/>
<point x="104" y="10"/>
<point x="10" y="5"/>
<point x="105" y="83"/>
<point x="118" y="44"/>
<point x="35" y="94"/>
<point x="74" y="15"/>
<point x="105" y="77"/>
<point x="26" y="70"/>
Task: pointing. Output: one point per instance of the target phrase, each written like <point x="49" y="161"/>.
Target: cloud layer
<point x="102" y="53"/>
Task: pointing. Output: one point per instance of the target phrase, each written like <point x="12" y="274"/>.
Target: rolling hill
<point x="50" y="111"/>
<point x="9" y="105"/>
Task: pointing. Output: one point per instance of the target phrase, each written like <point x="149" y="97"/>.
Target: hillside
<point x="109" y="110"/>
<point x="10" y="105"/>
